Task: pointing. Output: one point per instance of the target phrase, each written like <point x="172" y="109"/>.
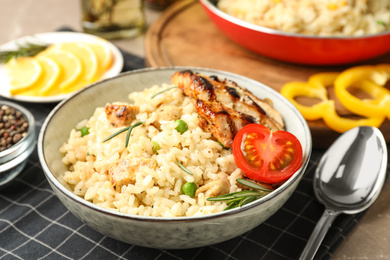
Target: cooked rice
<point x="155" y="192"/>
<point x="314" y="17"/>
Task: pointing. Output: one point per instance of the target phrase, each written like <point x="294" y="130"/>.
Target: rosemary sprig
<point x="381" y="23"/>
<point x="158" y="93"/>
<point x="115" y="134"/>
<point x="253" y="185"/>
<point x="223" y="147"/>
<point x="240" y="198"/>
<point x="23" y="50"/>
<point x="184" y="168"/>
<point x="128" y="129"/>
<point x="129" y="132"/>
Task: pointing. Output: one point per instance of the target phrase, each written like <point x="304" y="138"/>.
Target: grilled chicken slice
<point x="121" y="115"/>
<point x="224" y="107"/>
<point x="223" y="122"/>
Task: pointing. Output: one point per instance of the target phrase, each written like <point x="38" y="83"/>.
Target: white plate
<point x="54" y="37"/>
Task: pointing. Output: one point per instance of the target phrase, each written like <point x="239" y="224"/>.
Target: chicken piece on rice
<point x="121" y="115"/>
<point x="123" y="172"/>
<point x="167" y="112"/>
<point x="214" y="188"/>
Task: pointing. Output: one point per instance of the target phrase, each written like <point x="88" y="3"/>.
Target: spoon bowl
<point x="348" y="179"/>
<point x="354" y="188"/>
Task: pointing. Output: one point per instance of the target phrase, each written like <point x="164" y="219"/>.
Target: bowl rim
<point x="12" y="152"/>
<point x="70" y="195"/>
<point x="247" y="25"/>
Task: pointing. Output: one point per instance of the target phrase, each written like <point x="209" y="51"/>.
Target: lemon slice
<point x="87" y="57"/>
<point x="23" y="73"/>
<point x="48" y="85"/>
<point x="70" y="64"/>
<point x="103" y="54"/>
<point x="62" y="68"/>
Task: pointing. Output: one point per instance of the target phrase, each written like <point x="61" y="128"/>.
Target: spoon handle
<point x="318" y="234"/>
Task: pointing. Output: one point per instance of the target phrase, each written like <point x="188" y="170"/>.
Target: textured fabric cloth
<point x="34" y="224"/>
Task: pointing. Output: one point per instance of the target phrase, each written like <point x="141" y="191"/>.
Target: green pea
<point x="84" y="131"/>
<point x="189" y="188"/>
<point x="181" y="126"/>
<point x="155" y="147"/>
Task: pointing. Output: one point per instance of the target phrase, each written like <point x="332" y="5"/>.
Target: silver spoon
<point x="348" y="179"/>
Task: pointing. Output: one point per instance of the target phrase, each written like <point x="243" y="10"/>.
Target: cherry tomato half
<point x="266" y="156"/>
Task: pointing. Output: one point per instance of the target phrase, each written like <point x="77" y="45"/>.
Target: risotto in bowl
<point x="320" y="32"/>
<point x="147" y="157"/>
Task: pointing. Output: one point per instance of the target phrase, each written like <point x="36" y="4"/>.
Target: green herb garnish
<point x="23" y="50"/>
<point x="117" y="133"/>
<point x="253" y="185"/>
<point x="184" y="168"/>
<point x="222" y="145"/>
<point x="240" y="198"/>
<point x="128" y="129"/>
<point x="158" y="93"/>
<point x="381" y="23"/>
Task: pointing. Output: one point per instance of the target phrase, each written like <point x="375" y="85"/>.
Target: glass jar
<point x="113" y="19"/>
<point x="14" y="158"/>
<point x="159" y="4"/>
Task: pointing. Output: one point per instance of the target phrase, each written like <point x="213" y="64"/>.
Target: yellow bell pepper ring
<point x="370" y="79"/>
<point x="314" y="88"/>
<point x="296" y="89"/>
<point x="323" y="79"/>
<point x="341" y="124"/>
<point x="325" y="109"/>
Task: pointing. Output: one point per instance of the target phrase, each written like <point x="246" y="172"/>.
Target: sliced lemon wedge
<point x="87" y="57"/>
<point x="62" y="68"/>
<point x="103" y="54"/>
<point x="23" y="73"/>
<point x="70" y="64"/>
<point x="48" y="85"/>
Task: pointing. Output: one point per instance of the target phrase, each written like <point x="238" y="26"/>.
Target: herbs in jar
<point x="113" y="19"/>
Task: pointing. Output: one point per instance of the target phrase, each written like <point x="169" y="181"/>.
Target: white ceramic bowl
<point x="158" y="232"/>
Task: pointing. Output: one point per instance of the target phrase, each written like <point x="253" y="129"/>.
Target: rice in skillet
<point x="158" y="179"/>
<point x="314" y="17"/>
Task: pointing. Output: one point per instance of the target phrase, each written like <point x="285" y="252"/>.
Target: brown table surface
<point x="369" y="240"/>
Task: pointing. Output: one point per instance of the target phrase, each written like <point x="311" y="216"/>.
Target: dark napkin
<point x="35" y="224"/>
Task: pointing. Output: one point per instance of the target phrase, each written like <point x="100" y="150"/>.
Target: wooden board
<point x="185" y="36"/>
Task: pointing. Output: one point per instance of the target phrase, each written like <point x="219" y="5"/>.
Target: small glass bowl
<point x="14" y="159"/>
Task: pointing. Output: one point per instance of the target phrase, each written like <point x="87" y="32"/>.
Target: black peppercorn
<point x="13" y="127"/>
